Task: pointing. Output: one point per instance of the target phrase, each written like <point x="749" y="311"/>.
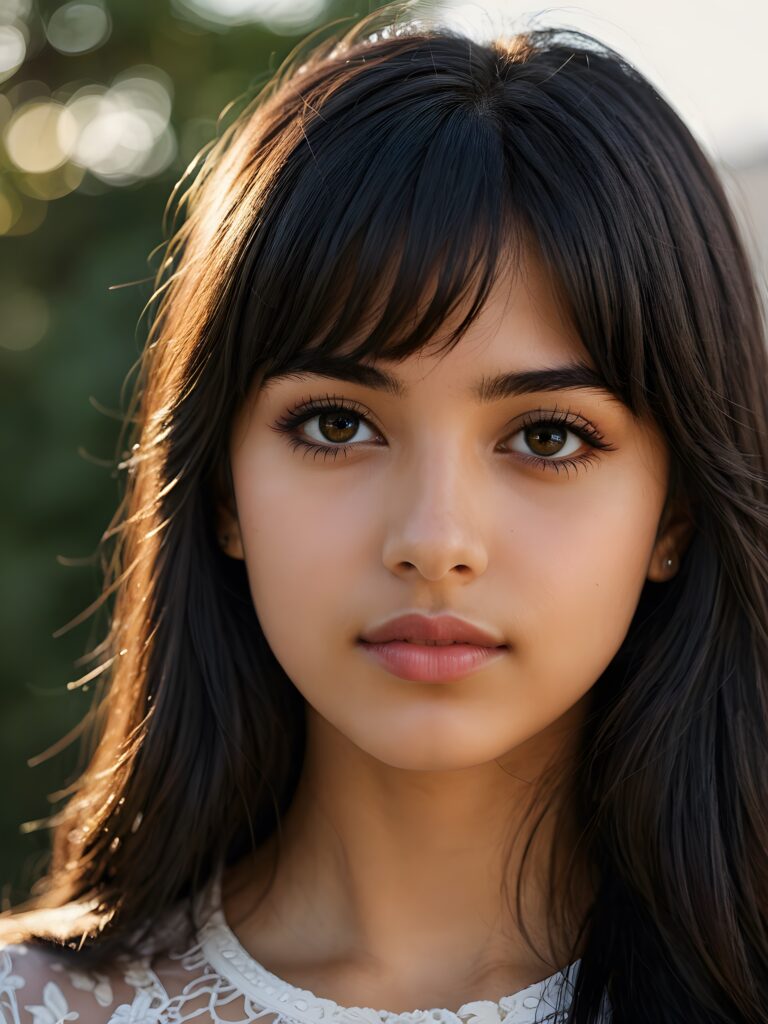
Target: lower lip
<point x="425" y="663"/>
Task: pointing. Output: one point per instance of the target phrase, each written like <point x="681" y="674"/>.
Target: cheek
<point x="582" y="569"/>
<point x="303" y="546"/>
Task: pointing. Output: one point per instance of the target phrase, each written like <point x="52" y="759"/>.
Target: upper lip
<point x="415" y="626"/>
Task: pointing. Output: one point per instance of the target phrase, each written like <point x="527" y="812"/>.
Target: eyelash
<point x="307" y="409"/>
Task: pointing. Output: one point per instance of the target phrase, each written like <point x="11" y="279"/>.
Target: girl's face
<point x="434" y="500"/>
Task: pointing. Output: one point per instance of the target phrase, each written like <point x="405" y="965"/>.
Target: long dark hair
<point x="405" y="145"/>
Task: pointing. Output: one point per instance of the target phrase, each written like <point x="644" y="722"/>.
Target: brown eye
<point x="544" y="440"/>
<point x="337" y="426"/>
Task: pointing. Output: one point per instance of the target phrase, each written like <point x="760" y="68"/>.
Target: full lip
<point x="415" y="626"/>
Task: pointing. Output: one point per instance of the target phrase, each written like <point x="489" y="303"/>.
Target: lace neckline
<point x="224" y="952"/>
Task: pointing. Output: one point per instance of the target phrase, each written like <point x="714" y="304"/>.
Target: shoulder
<point x="40" y="984"/>
<point x="165" y="978"/>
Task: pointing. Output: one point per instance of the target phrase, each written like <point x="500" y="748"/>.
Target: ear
<point x="226" y="521"/>
<point x="676" y="528"/>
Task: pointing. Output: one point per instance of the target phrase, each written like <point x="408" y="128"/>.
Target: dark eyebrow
<point x="485" y="390"/>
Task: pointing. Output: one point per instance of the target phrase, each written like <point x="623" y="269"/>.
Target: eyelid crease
<point x="308" y="406"/>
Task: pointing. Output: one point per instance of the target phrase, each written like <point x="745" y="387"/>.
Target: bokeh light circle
<point x="40" y="135"/>
<point x="279" y="16"/>
<point x="78" y="27"/>
<point x="13" y="50"/>
<point x="124" y="132"/>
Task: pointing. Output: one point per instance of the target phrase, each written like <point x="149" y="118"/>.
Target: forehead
<point x="522" y="326"/>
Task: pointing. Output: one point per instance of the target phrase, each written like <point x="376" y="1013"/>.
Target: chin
<point x="436" y="747"/>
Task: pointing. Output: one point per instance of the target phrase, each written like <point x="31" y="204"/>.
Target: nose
<point x="434" y="526"/>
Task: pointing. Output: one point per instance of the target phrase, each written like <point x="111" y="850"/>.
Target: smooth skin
<point x="388" y="892"/>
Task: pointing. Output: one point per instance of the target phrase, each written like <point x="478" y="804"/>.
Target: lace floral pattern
<point x="216" y="980"/>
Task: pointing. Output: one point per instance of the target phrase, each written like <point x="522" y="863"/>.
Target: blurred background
<point x="103" y="104"/>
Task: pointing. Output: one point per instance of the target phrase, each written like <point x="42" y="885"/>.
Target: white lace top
<point x="216" y="980"/>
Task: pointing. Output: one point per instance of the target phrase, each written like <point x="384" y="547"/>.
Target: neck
<point x="387" y="873"/>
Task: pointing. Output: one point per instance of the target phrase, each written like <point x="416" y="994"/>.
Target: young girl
<point x="437" y="661"/>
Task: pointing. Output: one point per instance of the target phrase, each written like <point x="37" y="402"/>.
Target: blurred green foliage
<point x="71" y="295"/>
